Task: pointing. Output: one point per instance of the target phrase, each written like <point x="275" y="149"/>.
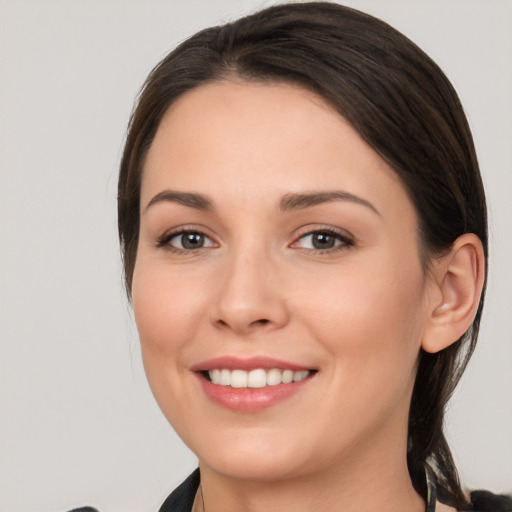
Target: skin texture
<point x="357" y="313"/>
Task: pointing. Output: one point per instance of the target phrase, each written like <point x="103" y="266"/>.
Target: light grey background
<point x="77" y="422"/>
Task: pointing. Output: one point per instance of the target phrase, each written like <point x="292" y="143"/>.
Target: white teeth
<point x="287" y="377"/>
<point x="300" y="375"/>
<point x="215" y="375"/>
<point x="255" y="378"/>
<point x="225" y="378"/>
<point x="274" y="377"/>
<point x="238" y="379"/>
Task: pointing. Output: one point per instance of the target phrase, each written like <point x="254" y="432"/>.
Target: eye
<point x="323" y="240"/>
<point x="188" y="240"/>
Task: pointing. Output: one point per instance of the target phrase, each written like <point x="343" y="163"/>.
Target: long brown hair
<point x="398" y="100"/>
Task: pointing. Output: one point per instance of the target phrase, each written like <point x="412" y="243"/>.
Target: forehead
<point x="260" y="139"/>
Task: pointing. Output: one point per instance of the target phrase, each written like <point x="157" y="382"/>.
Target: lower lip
<point x="251" y="399"/>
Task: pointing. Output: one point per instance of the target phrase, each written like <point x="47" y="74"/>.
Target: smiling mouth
<point x="255" y="379"/>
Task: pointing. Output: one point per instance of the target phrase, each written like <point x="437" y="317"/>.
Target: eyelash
<point x="342" y="240"/>
<point x="164" y="241"/>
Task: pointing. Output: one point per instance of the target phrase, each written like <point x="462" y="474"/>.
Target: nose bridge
<point x="250" y="296"/>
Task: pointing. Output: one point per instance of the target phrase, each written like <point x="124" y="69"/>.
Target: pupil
<point x="323" y="241"/>
<point x="192" y="240"/>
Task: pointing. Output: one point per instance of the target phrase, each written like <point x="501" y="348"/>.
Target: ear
<point x="457" y="282"/>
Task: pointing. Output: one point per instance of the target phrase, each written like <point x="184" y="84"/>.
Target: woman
<point x="303" y="227"/>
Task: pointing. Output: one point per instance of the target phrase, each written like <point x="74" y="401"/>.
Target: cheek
<point x="166" y="313"/>
<point x="369" y="317"/>
<point x="371" y="329"/>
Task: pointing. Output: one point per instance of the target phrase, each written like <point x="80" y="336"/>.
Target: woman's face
<point x="276" y="244"/>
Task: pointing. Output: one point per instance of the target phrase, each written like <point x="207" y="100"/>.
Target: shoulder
<point x="482" y="501"/>
<point x="84" y="509"/>
<point x="182" y="498"/>
<point x="485" y="501"/>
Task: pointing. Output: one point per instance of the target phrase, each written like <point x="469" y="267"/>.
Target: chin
<point x="252" y="468"/>
<point x="261" y="458"/>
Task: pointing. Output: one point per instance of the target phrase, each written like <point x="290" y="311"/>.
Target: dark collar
<point x="182" y="498"/>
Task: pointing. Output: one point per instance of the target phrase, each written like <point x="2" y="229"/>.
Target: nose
<point x="250" y="297"/>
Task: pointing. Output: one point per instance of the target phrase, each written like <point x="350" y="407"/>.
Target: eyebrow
<point x="295" y="201"/>
<point x="192" y="200"/>
<point x="309" y="199"/>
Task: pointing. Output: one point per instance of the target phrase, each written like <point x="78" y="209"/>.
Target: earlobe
<point x="459" y="279"/>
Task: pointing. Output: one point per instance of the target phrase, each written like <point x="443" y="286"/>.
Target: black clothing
<point x="182" y="498"/>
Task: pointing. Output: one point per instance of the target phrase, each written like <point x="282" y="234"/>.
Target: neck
<point x="362" y="484"/>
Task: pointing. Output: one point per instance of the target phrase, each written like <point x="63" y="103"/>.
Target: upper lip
<point x="247" y="364"/>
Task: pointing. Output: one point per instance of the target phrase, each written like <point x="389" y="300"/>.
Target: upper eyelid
<point x="308" y="230"/>
<point x="346" y="238"/>
<point x="172" y="233"/>
<point x="299" y="234"/>
<point x="187" y="228"/>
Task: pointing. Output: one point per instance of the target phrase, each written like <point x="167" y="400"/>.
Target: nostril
<point x="262" y="321"/>
<point x="243" y="326"/>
